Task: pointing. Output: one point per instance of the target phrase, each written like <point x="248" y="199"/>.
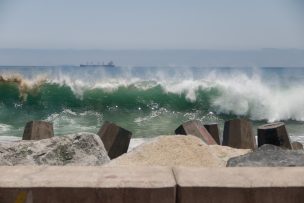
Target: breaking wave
<point x="238" y="94"/>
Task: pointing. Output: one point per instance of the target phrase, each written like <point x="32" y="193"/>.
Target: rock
<point x="37" y="130"/>
<point x="238" y="134"/>
<point x="269" y="156"/>
<point x="275" y="134"/>
<point x="177" y="150"/>
<point x="297" y="145"/>
<point x="115" y="139"/>
<point x="196" y="128"/>
<point x="77" y="149"/>
<point x="213" y="130"/>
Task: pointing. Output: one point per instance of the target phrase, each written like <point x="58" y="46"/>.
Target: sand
<point x="178" y="150"/>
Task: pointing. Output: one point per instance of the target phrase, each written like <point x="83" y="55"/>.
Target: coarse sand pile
<point x="178" y="150"/>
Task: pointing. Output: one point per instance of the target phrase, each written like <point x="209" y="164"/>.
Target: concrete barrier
<point x="212" y="128"/>
<point x="115" y="139"/>
<point x="239" y="185"/>
<point x="196" y="128"/>
<point x="35" y="184"/>
<point x="238" y="134"/>
<point x="37" y="130"/>
<point x="275" y="134"/>
<point x="86" y="184"/>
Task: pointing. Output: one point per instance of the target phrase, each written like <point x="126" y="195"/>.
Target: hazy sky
<point x="153" y="24"/>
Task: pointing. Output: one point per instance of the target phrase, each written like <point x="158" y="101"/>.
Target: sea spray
<point x="148" y="100"/>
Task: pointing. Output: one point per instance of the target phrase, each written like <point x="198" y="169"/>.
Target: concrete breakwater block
<point x="87" y="184"/>
<point x="275" y="134"/>
<point x="37" y="130"/>
<point x="115" y="139"/>
<point x="213" y="130"/>
<point x="238" y="134"/>
<point x="196" y="128"/>
<point x="297" y="145"/>
<point x="239" y="185"/>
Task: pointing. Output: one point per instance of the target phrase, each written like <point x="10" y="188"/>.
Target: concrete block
<point x="87" y="184"/>
<point x="196" y="128"/>
<point x="37" y="130"/>
<point x="213" y="130"/>
<point x="297" y="145"/>
<point x="275" y="134"/>
<point x="239" y="185"/>
<point x="238" y="134"/>
<point x="115" y="139"/>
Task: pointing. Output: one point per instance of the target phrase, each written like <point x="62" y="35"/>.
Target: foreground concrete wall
<point x="86" y="184"/>
<point x="150" y="185"/>
<point x="88" y="195"/>
<point x="239" y="185"/>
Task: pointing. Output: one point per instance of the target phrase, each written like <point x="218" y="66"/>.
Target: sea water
<point x="148" y="101"/>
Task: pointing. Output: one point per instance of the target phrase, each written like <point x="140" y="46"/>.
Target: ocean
<point x="148" y="101"/>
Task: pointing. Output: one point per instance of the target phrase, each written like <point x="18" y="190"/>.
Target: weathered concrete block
<point x="275" y="134"/>
<point x="196" y="128"/>
<point x="87" y="184"/>
<point x="213" y="130"/>
<point x="37" y="130"/>
<point x="238" y="134"/>
<point x="297" y="145"/>
<point x="115" y="139"/>
<point x="239" y="185"/>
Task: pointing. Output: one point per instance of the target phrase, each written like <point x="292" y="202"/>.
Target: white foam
<point x="251" y="96"/>
<point x="9" y="138"/>
<point x="4" y="127"/>
<point x="237" y="93"/>
<point x="298" y="138"/>
<point x="70" y="121"/>
<point x="135" y="142"/>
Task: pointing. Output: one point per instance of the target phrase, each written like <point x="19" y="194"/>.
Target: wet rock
<point x="37" y="130"/>
<point x="238" y="134"/>
<point x="196" y="128"/>
<point x="115" y="139"/>
<point x="275" y="134"/>
<point x="76" y="149"/>
<point x="269" y="156"/>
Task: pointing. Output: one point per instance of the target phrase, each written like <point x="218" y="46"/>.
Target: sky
<point x="153" y="24"/>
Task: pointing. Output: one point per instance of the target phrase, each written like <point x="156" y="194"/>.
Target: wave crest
<point x="235" y="94"/>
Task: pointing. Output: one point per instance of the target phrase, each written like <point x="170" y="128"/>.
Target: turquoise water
<point x="149" y="101"/>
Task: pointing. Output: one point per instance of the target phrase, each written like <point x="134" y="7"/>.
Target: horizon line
<point x="149" y="49"/>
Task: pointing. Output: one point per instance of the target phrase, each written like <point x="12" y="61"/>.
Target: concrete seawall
<point x="239" y="185"/>
<point x="150" y="184"/>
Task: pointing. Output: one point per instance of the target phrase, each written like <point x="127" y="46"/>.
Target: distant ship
<point x="110" y="64"/>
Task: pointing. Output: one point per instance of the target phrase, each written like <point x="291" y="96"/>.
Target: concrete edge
<point x="149" y="177"/>
<point x="240" y="177"/>
<point x="85" y="177"/>
<point x="150" y="184"/>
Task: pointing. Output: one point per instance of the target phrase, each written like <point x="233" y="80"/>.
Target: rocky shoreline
<point x="197" y="147"/>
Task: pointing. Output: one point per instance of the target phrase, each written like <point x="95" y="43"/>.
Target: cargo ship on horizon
<point x="110" y="64"/>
